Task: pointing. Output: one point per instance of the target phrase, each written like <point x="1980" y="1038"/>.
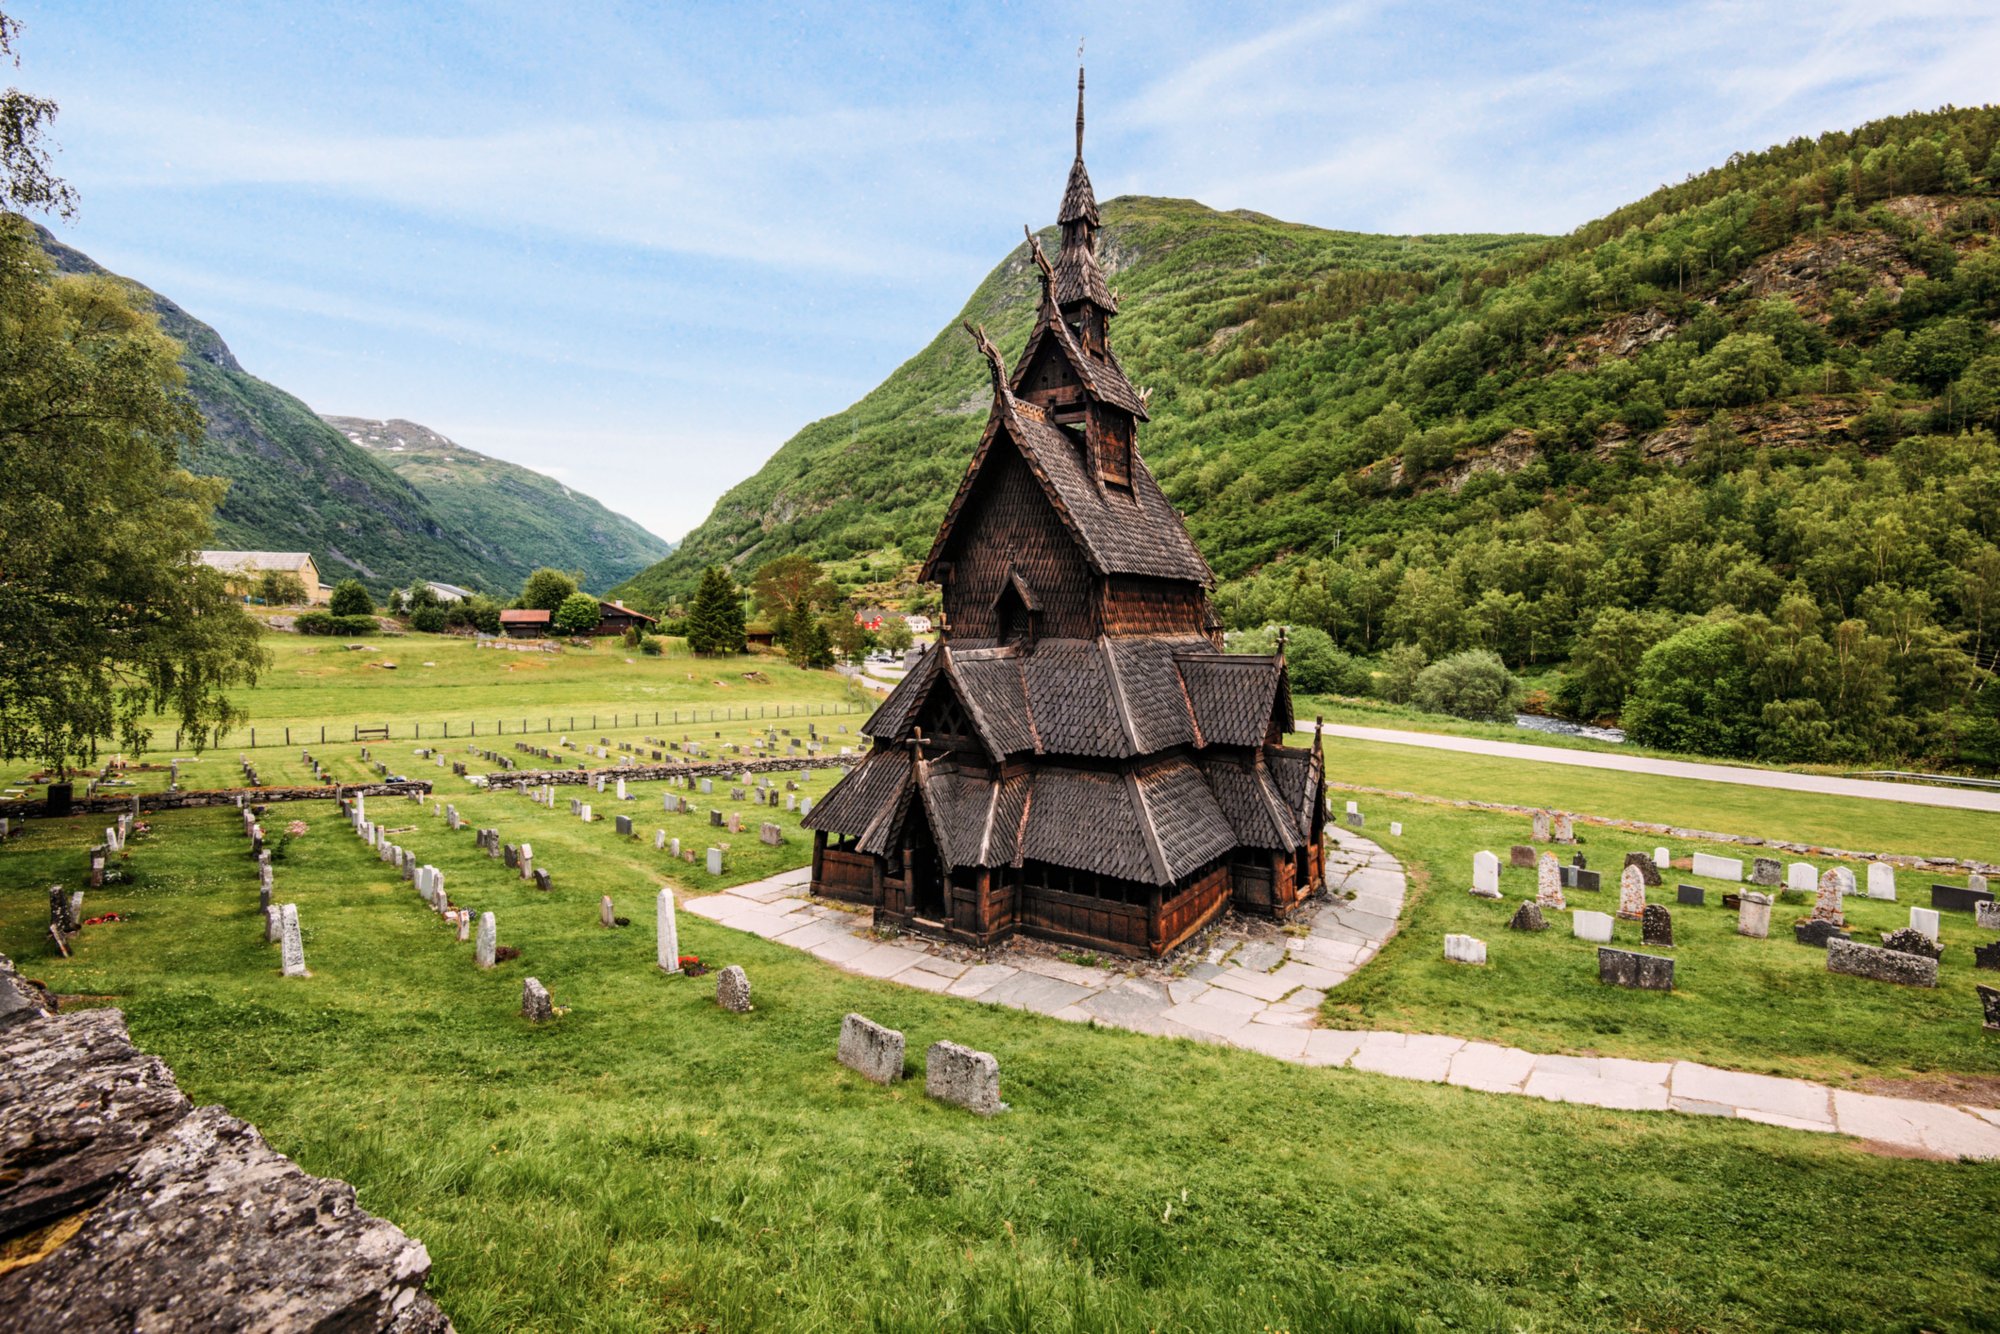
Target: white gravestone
<point x="1587" y="925"/>
<point x="294" y="949"/>
<point x="1882" y="881"/>
<point x="669" y="934"/>
<point x="1926" y="921"/>
<point x="1753" y="917"/>
<point x="1663" y="859"/>
<point x="489" y="941"/>
<point x="1802" y="877"/>
<point x="715" y="861"/>
<point x="1464" y="949"/>
<point x="1717" y="868"/>
<point x="1485" y="874"/>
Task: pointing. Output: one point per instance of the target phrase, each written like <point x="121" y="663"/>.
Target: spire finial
<point x="1079" y="101"/>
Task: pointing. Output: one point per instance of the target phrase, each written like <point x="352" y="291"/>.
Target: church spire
<point x="1078" y="281"/>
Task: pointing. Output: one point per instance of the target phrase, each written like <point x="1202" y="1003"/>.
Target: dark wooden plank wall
<point x="1010" y="523"/>
<point x="1135" y="605"/>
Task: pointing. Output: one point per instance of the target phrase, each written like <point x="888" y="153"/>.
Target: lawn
<point x="1759" y="1005"/>
<point x="649" y="1161"/>
<point x="1803" y="817"/>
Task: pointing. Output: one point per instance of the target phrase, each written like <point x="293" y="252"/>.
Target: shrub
<point x="1318" y="668"/>
<point x="430" y="620"/>
<point x="350" y="599"/>
<point x="321" y="623"/>
<point x="1473" y="684"/>
<point x="578" y="615"/>
<point x="1401" y="666"/>
<point x="313" y="623"/>
<point x="1692" y="693"/>
<point x="651" y="646"/>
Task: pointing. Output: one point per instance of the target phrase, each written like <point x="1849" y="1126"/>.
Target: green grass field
<point x="651" y="1162"/>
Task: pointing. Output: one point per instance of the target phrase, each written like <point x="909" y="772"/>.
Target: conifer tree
<point x="715" y="620"/>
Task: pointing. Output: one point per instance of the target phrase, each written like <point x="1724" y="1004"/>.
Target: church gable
<point x="1010" y="537"/>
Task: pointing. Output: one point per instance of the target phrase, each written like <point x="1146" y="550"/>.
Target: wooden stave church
<point x="1077" y="759"/>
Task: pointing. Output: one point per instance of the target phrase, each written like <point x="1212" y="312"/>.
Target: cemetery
<point x="1052" y="991"/>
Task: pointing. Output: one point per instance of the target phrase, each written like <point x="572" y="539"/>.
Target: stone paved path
<point x="1263" y="995"/>
<point x="1913" y="793"/>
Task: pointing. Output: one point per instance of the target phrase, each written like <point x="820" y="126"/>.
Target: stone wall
<point x="641" y="773"/>
<point x="138" y="1210"/>
<point x="221" y="796"/>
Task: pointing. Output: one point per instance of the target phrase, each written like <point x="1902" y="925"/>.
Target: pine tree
<point x="812" y="646"/>
<point x="715" y="619"/>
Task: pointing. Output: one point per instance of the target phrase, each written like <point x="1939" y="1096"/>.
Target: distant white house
<point x="448" y="592"/>
<point x="919" y="624"/>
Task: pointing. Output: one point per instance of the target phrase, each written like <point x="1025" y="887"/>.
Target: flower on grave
<point x="688" y="960"/>
<point x="296" y="828"/>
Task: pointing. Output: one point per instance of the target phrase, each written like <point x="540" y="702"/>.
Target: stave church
<point x="1076" y="759"/>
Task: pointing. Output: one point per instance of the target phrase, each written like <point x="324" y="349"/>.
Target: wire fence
<point x="320" y="734"/>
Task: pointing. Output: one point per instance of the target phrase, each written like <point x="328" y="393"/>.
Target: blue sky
<point x="637" y="246"/>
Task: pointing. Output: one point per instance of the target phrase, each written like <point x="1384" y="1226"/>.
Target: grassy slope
<point x="518" y="514"/>
<point x="880" y="473"/>
<point x="651" y="1161"/>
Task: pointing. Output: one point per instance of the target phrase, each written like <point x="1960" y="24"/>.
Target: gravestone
<point x="1925" y="920"/>
<point x="668" y="933"/>
<point x="511" y="855"/>
<point x="1987" y="956"/>
<point x="1951" y="898"/>
<point x="732" y="990"/>
<point x="527" y="861"/>
<point x="1592" y="881"/>
<point x="1717" y="868"/>
<point x="1541" y="831"/>
<point x="1527" y="917"/>
<point x="1802" y="877"/>
<point x="1834" y="883"/>
<point x="1767" y="871"/>
<point x="963" y="1077"/>
<point x="1882" y="881"/>
<point x="1694" y="896"/>
<point x="1976" y="883"/>
<point x="1649" y="874"/>
<point x="463" y="917"/>
<point x="1989" y="1006"/>
<point x="274" y="923"/>
<point x="1908" y="941"/>
<point x="770" y="834"/>
<point x="1631" y="893"/>
<point x="1641" y="972"/>
<point x="870" y="1050"/>
<point x="292" y="947"/>
<point x="1563" y="828"/>
<point x="1395" y="829"/>
<point x="1522" y="856"/>
<point x="1662" y="859"/>
<point x="535" y="1005"/>
<point x="1587" y="925"/>
<point x="1356" y="820"/>
<point x="1464" y="949"/>
<point x="715" y="818"/>
<point x="707" y="787"/>
<point x="1883" y="965"/>
<point x="1987" y="915"/>
<point x="583" y="813"/>
<point x="659" y="840"/>
<point x="1656" y="927"/>
<point x="606" y="914"/>
<point x="624" y="826"/>
<point x="1816" y="931"/>
<point x="715" y="861"/>
<point x="488" y="943"/>
<point x="622" y="794"/>
<point x="1754" y="915"/>
<point x="1485" y="874"/>
<point x="1548" y="882"/>
<point x="673" y="847"/>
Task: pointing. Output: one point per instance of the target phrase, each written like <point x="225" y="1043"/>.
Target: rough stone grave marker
<point x="1656" y="928"/>
<point x="1631" y="893"/>
<point x="489" y="941"/>
<point x="1642" y="972"/>
<point x="871" y="1050"/>
<point x="292" y="947"/>
<point x="536" y="1007"/>
<point x="732" y="990"/>
<point x="963" y="1077"/>
<point x="1767" y="871"/>
<point x="1883" y="965"/>
<point x="1548" y="882"/>
<point x="1753" y="915"/>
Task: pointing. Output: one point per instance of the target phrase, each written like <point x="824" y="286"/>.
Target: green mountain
<point x="1763" y="396"/>
<point x="298" y="484"/>
<point x="514" y="510"/>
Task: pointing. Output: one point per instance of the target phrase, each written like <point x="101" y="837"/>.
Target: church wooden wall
<point x="1134" y="605"/>
<point x="1010" y="521"/>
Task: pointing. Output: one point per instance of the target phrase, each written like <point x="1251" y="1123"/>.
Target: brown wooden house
<point x="1077" y="759"/>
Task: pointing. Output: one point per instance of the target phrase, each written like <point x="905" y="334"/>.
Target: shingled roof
<point x="1104" y="380"/>
<point x="1140" y="533"/>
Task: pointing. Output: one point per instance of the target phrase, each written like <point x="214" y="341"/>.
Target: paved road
<point x="1912" y="793"/>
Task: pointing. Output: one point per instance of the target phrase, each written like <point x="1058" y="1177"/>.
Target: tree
<point x="577" y="615"/>
<point x="351" y="599"/>
<point x="109" y="621"/>
<point x="812" y="645"/>
<point x="27" y="180"/>
<point x="546" y="589"/>
<point x="851" y="639"/>
<point x="429" y="620"/>
<point x="1473" y="684"/>
<point x="895" y="635"/>
<point x="1742" y="368"/>
<point x="1402" y="665"/>
<point x="281" y="588"/>
<point x="715" y="619"/>
<point x="780" y="587"/>
<point x="1692" y="693"/>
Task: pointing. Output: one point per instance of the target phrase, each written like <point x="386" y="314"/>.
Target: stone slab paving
<point x="1263" y="996"/>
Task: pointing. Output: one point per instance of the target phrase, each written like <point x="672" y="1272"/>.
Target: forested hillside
<point x="516" y="511"/>
<point x="1764" y="397"/>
